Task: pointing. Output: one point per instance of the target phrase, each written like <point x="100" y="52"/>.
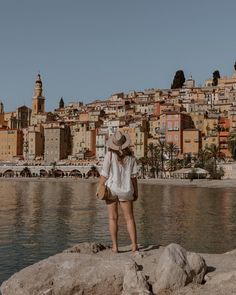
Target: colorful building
<point x="11" y="144"/>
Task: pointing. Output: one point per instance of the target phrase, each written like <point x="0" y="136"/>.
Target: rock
<point x="220" y="284"/>
<point x="223" y="279"/>
<point x="134" y="281"/>
<point x="233" y="252"/>
<point x="86" y="248"/>
<point x="93" y="269"/>
<point x="177" y="267"/>
<point x="69" y="274"/>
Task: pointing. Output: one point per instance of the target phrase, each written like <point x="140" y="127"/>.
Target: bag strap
<point x="110" y="162"/>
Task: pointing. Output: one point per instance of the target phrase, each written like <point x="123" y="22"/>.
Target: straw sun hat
<point x="119" y="141"/>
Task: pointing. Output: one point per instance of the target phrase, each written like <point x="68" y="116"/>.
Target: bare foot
<point x="134" y="248"/>
<point x="114" y="249"/>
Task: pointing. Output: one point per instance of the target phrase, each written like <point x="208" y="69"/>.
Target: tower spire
<point x="38" y="98"/>
<point x="38" y="87"/>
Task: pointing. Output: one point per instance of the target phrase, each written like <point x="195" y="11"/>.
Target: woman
<point x="119" y="174"/>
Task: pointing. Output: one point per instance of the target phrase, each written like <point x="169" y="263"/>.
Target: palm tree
<point x="214" y="153"/>
<point x="143" y="162"/>
<point x="172" y="151"/>
<point x="202" y="158"/>
<point x="151" y="159"/>
<point x="156" y="159"/>
<point x="162" y="146"/>
<point x="232" y="144"/>
<point x="186" y="161"/>
<point x="52" y="171"/>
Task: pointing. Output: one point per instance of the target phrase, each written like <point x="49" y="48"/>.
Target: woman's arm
<point x="101" y="185"/>
<point x="102" y="180"/>
<point x="135" y="186"/>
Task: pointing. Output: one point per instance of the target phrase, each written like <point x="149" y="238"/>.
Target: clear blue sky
<point x="89" y="49"/>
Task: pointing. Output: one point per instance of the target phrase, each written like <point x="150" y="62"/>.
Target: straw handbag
<point x="103" y="191"/>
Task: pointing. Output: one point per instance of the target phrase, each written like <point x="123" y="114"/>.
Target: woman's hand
<point x="135" y="186"/>
<point x="135" y="196"/>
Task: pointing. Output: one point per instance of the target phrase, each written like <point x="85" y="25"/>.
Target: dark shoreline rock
<point x="91" y="268"/>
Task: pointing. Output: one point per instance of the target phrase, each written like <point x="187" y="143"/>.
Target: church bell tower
<point x="38" y="104"/>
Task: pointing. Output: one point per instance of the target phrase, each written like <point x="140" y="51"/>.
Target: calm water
<point x="40" y="218"/>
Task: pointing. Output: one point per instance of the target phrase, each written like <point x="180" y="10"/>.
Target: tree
<point x="161" y="147"/>
<point x="201" y="159"/>
<point x="216" y="76"/>
<point x="143" y="162"/>
<point x="214" y="154"/>
<point x="172" y="151"/>
<point x="61" y="103"/>
<point x="232" y="144"/>
<point x="157" y="159"/>
<point x="25" y="172"/>
<point x="179" y="80"/>
<point x="186" y="162"/>
<point x="151" y="159"/>
<point x="52" y="171"/>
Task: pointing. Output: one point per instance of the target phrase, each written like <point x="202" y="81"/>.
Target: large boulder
<point x="177" y="267"/>
<point x="91" y="268"/>
<point x="69" y="274"/>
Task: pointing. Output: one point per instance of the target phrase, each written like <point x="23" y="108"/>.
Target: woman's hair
<point x="122" y="154"/>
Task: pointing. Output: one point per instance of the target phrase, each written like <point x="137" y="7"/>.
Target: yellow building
<point x="83" y="139"/>
<point x="192" y="141"/>
<point x="209" y="126"/>
<point x="154" y="127"/>
<point x="11" y="144"/>
<point x="198" y="120"/>
<point x="139" y="135"/>
<point x="35" y="142"/>
<point x="207" y="141"/>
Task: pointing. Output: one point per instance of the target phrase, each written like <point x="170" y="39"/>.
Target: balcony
<point x="173" y="129"/>
<point x="224" y="146"/>
<point x="100" y="145"/>
<point x="224" y="133"/>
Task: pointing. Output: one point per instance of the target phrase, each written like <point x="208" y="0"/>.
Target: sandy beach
<point x="207" y="183"/>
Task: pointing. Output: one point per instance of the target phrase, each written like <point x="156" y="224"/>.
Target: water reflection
<point x="40" y="218"/>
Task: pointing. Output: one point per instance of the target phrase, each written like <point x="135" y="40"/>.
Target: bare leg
<point x="112" y="207"/>
<point x="127" y="208"/>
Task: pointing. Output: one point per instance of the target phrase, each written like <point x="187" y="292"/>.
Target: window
<point x="169" y="125"/>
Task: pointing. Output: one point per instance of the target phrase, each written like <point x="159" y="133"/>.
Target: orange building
<point x="172" y="125"/>
<point x="11" y="144"/>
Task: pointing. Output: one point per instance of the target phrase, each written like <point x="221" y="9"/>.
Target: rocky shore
<point x="90" y="268"/>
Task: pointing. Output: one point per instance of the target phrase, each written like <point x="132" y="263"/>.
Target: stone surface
<point x="86" y="248"/>
<point x="68" y="274"/>
<point x="177" y="267"/>
<point x="134" y="281"/>
<point x="94" y="269"/>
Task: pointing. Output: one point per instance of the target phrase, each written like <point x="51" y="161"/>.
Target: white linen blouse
<point x="119" y="176"/>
